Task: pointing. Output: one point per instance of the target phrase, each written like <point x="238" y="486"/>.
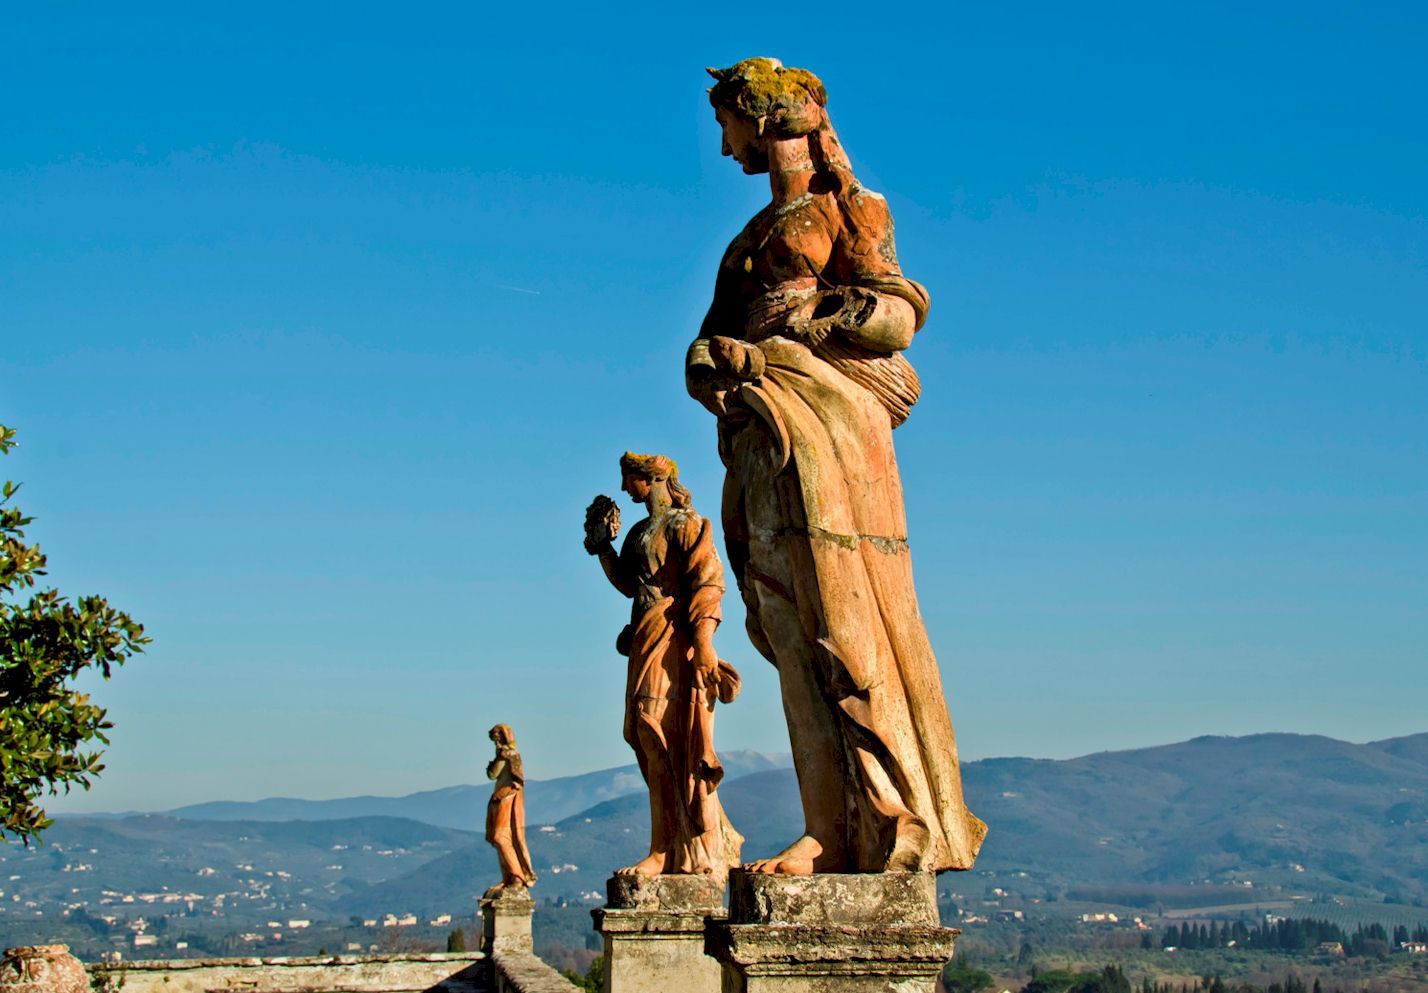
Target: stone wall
<point x="522" y="972"/>
<point x="463" y="972"/>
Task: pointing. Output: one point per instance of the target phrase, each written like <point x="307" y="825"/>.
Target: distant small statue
<point x="506" y="812"/>
<point x="669" y="567"/>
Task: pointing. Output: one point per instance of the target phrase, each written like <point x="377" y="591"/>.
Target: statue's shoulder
<point x="750" y="237"/>
<point x="684" y="525"/>
<point x="683" y="517"/>
<point x="859" y="193"/>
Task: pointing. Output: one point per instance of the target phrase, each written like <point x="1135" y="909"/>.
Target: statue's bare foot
<point x="913" y="840"/>
<point x="651" y="865"/>
<point x="795" y="860"/>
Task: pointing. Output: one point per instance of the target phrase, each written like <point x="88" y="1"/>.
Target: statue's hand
<point x="706" y="662"/>
<point x="828" y="311"/>
<point x="736" y="358"/>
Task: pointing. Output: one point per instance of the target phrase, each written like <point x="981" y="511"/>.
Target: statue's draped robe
<point x="506" y="817"/>
<point x="668" y="564"/>
<point x="815" y="529"/>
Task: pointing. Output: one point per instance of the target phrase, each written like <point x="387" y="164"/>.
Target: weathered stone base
<point x="506" y="921"/>
<point x="654" y="933"/>
<point x="506" y="938"/>
<point x="826" y="933"/>
<point x="463" y="972"/>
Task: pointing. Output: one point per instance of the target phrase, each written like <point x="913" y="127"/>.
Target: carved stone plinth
<point x="506" y="921"/>
<point x="654" y="933"/>
<point x="42" y="969"/>
<point x="827" y="933"/>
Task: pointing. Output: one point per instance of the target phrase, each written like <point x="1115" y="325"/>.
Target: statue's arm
<point x="879" y="322"/>
<point x="495" y="767"/>
<point x="614" y="572"/>
<point x="704" y="579"/>
<point x="880" y="309"/>
<point x="722" y="309"/>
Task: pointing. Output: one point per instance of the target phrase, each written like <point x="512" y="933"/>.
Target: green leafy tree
<point x="47" y="726"/>
<point x="959" y="977"/>
<point x="594" y="979"/>
<point x="456" y="941"/>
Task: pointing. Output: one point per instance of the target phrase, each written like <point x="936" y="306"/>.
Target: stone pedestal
<point x="506" y="921"/>
<point x="654" y="933"/>
<point x="826" y="933"/>
<point x="42" y="969"/>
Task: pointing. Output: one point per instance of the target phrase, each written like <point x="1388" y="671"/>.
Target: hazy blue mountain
<point x="252" y="870"/>
<point x="464" y="807"/>
<point x="1299" y="811"/>
<point x="1286" y="813"/>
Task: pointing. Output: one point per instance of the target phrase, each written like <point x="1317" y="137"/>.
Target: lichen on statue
<point x="800" y="359"/>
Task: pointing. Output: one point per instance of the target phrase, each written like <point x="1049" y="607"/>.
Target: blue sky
<point x="321" y="325"/>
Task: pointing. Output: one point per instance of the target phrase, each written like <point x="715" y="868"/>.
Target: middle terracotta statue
<point x="669" y="567"/>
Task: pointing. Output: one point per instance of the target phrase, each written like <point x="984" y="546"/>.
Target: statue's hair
<point x="507" y="736"/>
<point x="656" y="467"/>
<point x="786" y="103"/>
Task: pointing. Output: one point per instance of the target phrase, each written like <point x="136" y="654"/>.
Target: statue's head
<point x="639" y="474"/>
<point x="779" y="100"/>
<point x="758" y="99"/>
<point x="502" y="735"/>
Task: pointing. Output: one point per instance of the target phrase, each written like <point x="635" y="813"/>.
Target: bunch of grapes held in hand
<point x="602" y="524"/>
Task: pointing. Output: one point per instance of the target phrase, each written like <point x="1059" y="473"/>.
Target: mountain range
<point x="1216" y="819"/>
<point x="547" y="800"/>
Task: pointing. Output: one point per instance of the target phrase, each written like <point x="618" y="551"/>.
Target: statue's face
<point x="637" y="487"/>
<point x="742" y="141"/>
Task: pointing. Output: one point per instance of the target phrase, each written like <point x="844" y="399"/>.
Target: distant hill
<point x="1304" y="813"/>
<point x="250" y="870"/>
<point x="1300" y="811"/>
<point x="1191" y="821"/>
<point x="464" y="807"/>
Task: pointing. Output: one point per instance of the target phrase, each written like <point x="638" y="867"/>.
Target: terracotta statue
<point x="506" y="812"/>
<point x="800" y="360"/>
<point x="668" y="565"/>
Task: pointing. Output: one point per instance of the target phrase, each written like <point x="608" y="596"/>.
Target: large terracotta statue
<point x="506" y="812"/>
<point x="800" y="360"/>
<point x="668" y="565"/>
